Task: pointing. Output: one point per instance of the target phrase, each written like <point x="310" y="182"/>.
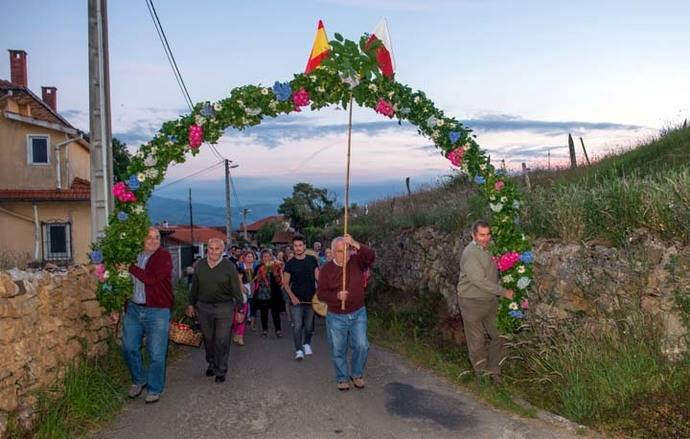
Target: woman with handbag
<point x="267" y="292"/>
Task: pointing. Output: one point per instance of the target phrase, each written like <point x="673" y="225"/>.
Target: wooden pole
<point x="584" y="150"/>
<point x="347" y="203"/>
<point x="571" y="147"/>
<point x="524" y="171"/>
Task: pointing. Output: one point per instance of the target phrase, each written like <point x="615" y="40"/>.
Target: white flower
<point x="151" y="173"/>
<point x="507" y="279"/>
<point x="154" y="150"/>
<point x="492" y="197"/>
<point x="482" y="167"/>
<point x="106" y="274"/>
<point x="312" y="78"/>
<point x="217" y="106"/>
<point x="496" y="207"/>
<point x="504" y="199"/>
<point x="431" y="122"/>
<point x="521" y="269"/>
<point x="253" y="111"/>
<point x="123" y="274"/>
<point x="264" y="91"/>
<point x="150" y="161"/>
<point x="240" y="103"/>
<point x="168" y="143"/>
<point x="435" y="134"/>
<point x="273" y="105"/>
<point x="373" y="87"/>
<point x="514" y="306"/>
<point x="320" y="89"/>
<point x="416" y="100"/>
<point x="245" y="121"/>
<point x="523" y="282"/>
<point x="440" y="122"/>
<point x="123" y="235"/>
<point x="141" y="176"/>
<point x="451" y="125"/>
<point x="200" y="120"/>
<point x="352" y="81"/>
<point x="138" y="209"/>
<point x="391" y="94"/>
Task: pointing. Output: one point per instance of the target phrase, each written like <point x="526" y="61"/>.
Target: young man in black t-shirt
<point x="299" y="280"/>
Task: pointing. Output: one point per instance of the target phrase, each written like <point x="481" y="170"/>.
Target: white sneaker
<point x="307" y="349"/>
<point x="299" y="355"/>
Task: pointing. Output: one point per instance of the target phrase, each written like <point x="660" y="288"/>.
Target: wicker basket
<point x="181" y="333"/>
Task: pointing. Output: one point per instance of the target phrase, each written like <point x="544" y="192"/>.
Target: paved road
<point x="269" y="395"/>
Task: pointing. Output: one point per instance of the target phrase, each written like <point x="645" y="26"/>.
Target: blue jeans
<point x="153" y="323"/>
<point x="342" y="329"/>
<point x="303" y="321"/>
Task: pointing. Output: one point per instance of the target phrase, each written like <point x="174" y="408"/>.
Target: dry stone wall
<point x="47" y="321"/>
<point x="585" y="283"/>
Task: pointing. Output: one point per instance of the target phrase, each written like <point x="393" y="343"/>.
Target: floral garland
<point x="350" y="71"/>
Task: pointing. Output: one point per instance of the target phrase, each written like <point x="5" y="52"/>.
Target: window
<point x="38" y="147"/>
<point x="57" y="241"/>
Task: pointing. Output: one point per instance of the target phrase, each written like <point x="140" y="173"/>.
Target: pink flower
<point x="384" y="107"/>
<point x="100" y="272"/>
<point x="122" y="193"/>
<point x="455" y="156"/>
<point x="507" y="260"/>
<point x="499" y="185"/>
<point x="524" y="304"/>
<point x="301" y="97"/>
<point x="195" y="136"/>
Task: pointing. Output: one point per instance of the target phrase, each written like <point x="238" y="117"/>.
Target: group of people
<point x="222" y="286"/>
<point x="228" y="290"/>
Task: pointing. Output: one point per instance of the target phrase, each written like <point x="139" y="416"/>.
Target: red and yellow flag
<point x="320" y="50"/>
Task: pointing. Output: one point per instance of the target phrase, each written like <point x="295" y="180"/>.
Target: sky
<point x="522" y="75"/>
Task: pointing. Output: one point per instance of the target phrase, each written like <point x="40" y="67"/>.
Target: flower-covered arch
<point x="349" y="74"/>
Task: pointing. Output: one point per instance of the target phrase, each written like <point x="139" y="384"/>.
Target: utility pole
<point x="245" y="211"/>
<point x="100" y="136"/>
<point x="228" y="208"/>
<point x="191" y="222"/>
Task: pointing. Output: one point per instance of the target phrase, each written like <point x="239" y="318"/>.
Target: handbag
<point x="184" y="334"/>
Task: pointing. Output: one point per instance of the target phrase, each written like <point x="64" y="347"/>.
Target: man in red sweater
<point x="347" y="315"/>
<point x="147" y="313"/>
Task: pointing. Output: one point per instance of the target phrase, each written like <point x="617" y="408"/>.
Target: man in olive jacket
<point x="478" y="291"/>
<point x="215" y="291"/>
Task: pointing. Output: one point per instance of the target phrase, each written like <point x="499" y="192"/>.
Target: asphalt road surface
<point x="268" y="394"/>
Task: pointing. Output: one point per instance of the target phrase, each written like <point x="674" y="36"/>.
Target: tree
<point x="309" y="207"/>
<point x="265" y="234"/>
<point x="121" y="159"/>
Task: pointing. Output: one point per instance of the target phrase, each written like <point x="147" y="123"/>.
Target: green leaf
<point x="338" y="37"/>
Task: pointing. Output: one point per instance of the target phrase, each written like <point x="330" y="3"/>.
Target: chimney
<point x="18" y="74"/>
<point x="50" y="97"/>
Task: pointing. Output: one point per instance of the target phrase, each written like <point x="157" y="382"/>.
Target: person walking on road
<point x="478" y="291"/>
<point x="147" y="314"/>
<point x="215" y="292"/>
<point x="348" y="325"/>
<point x="299" y="280"/>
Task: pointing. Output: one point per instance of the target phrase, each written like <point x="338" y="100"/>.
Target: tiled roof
<point x="255" y="226"/>
<point x="39" y="109"/>
<point x="80" y="190"/>
<point x="201" y="234"/>
<point x="283" y="237"/>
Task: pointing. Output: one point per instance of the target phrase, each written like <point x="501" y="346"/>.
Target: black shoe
<point x="220" y="379"/>
<point x="209" y="372"/>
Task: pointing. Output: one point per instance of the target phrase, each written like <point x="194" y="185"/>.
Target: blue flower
<point x="282" y="91"/>
<point x="479" y="179"/>
<point x="207" y="110"/>
<point x="133" y="182"/>
<point x="527" y="257"/>
<point x="517" y="314"/>
<point x="106" y="287"/>
<point x="96" y="256"/>
<point x="173" y="139"/>
<point x="454" y="136"/>
<point x="121" y="215"/>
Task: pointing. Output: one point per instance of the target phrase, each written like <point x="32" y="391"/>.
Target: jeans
<point x="342" y="329"/>
<point x="303" y="321"/>
<point x="140" y="321"/>
<point x="216" y="323"/>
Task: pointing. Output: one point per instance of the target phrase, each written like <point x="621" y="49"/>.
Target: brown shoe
<point x="358" y="382"/>
<point x="343" y="386"/>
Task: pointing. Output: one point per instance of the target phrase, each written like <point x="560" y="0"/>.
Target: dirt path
<point x="269" y="395"/>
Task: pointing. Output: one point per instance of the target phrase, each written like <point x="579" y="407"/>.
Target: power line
<point x="208" y="168"/>
<point x="173" y="64"/>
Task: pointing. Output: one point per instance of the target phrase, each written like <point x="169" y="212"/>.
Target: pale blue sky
<point x="523" y="74"/>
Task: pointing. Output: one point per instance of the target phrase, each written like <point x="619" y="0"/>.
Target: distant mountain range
<point x="177" y="212"/>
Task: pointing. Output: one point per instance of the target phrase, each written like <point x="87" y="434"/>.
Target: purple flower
<point x="121" y="215"/>
<point x="479" y="179"/>
<point x="133" y="182"/>
<point x="527" y="257"/>
<point x="96" y="256"/>
<point x="516" y="314"/>
<point x="207" y="110"/>
<point x="454" y="136"/>
<point x="282" y="90"/>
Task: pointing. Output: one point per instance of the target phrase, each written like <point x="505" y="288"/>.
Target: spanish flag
<point x="320" y="50"/>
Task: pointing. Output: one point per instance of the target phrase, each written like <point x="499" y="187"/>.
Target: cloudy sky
<point x="522" y="74"/>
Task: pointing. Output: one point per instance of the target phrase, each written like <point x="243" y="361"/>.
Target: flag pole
<point x="347" y="203"/>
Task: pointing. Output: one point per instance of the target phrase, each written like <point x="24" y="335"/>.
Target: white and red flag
<point x="384" y="54"/>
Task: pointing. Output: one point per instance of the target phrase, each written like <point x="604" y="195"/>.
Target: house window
<point x="57" y="241"/>
<point x="38" y="147"/>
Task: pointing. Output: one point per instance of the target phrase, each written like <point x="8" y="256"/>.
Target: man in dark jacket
<point x="147" y="314"/>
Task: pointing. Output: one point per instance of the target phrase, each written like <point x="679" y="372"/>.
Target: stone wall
<point x="585" y="283"/>
<point x="47" y="321"/>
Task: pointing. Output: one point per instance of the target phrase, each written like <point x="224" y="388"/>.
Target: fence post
<point x="526" y="173"/>
<point x="585" y="151"/>
<point x="571" y="147"/>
